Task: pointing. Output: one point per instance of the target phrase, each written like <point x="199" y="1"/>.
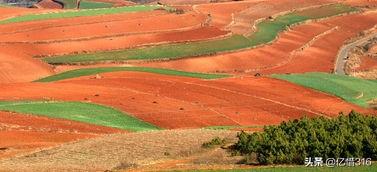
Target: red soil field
<point x="6" y="12"/>
<point x="49" y="4"/>
<point x="320" y="42"/>
<point x="43" y="24"/>
<point x="374" y="49"/>
<point x="26" y="133"/>
<point x="367" y="63"/>
<point x="221" y="13"/>
<point x="239" y="17"/>
<point x="243" y="20"/>
<point x="371" y="3"/>
<point x="18" y="66"/>
<point x="139" y="25"/>
<point x="119" y="42"/>
<point x="321" y="55"/>
<point x="177" y="102"/>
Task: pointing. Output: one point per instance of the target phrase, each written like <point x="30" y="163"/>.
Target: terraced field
<point x="70" y="77"/>
<point x="81" y="13"/>
<point x="93" y="71"/>
<point x="267" y="32"/>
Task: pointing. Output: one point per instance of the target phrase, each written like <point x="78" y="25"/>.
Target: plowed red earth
<point x="43" y="24"/>
<point x="367" y="63"/>
<point x="24" y="133"/>
<point x="243" y="21"/>
<point x="119" y="42"/>
<point x="239" y="17"/>
<point x="373" y="49"/>
<point x="140" y="25"/>
<point x="320" y="42"/>
<point x="18" y="66"/>
<point x="6" y="12"/>
<point x="221" y="15"/>
<point x="371" y="3"/>
<point x="176" y="102"/>
<point x="49" y="4"/>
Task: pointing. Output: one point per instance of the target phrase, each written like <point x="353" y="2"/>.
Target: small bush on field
<point x="176" y="11"/>
<point x="217" y="141"/>
<point x="347" y="136"/>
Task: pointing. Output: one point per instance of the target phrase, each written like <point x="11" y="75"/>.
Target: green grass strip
<point x="156" y="52"/>
<point x="84" y="4"/>
<point x="354" y="90"/>
<point x="3" y="5"/>
<point x="92" y="71"/>
<point x="94" y="5"/>
<point x="78" y="111"/>
<point x="365" y="168"/>
<point x="69" y="4"/>
<point x="81" y="13"/>
<point x="267" y="31"/>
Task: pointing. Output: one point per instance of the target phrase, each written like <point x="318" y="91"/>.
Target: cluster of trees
<point x="353" y="135"/>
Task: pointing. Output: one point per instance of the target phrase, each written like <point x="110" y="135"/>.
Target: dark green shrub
<point x="352" y="135"/>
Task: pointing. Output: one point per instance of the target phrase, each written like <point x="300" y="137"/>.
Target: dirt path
<point x="343" y="53"/>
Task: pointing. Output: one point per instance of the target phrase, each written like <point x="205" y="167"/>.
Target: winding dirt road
<point x="343" y="53"/>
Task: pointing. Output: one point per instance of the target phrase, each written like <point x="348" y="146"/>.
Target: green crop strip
<point x="81" y="13"/>
<point x="94" y="5"/>
<point x="267" y="31"/>
<point x="92" y="71"/>
<point x="72" y="4"/>
<point x="354" y="90"/>
<point x="78" y="111"/>
<point x="69" y="4"/>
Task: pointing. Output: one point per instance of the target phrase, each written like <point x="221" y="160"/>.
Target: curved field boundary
<point x="58" y="23"/>
<point x="354" y="90"/>
<point x="294" y="53"/>
<point x="188" y="28"/>
<point x="93" y="71"/>
<point x="267" y="31"/>
<point x="81" y="13"/>
<point x="78" y="111"/>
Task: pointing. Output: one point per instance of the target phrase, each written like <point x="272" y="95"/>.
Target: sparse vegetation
<point x="217" y="141"/>
<point x="371" y="168"/>
<point x="351" y="89"/>
<point x="352" y="135"/>
<point x="93" y="71"/>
